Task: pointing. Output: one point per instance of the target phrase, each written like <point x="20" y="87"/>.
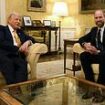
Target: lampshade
<point x="60" y="9"/>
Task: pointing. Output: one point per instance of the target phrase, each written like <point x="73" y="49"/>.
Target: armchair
<point x="78" y="49"/>
<point x="34" y="53"/>
<point x="40" y="36"/>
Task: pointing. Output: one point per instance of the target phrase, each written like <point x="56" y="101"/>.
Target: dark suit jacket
<point x="91" y="37"/>
<point x="6" y="40"/>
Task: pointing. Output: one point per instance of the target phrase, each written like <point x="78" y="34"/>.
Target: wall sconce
<point x="60" y="9"/>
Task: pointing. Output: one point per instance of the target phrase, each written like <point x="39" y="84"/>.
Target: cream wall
<point x="2" y="12"/>
<point x="74" y="20"/>
<point x="21" y="7"/>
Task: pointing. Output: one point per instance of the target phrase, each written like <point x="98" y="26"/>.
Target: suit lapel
<point x="104" y="36"/>
<point x="8" y="35"/>
<point x="94" y="34"/>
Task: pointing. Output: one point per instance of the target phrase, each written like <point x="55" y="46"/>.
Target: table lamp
<point x="60" y="9"/>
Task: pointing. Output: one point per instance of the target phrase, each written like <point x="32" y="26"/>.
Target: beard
<point x="100" y="24"/>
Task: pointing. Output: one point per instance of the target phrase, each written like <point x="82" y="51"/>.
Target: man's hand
<point x="24" y="47"/>
<point x="91" y="49"/>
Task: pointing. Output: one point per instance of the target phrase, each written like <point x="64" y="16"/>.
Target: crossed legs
<point x="86" y="60"/>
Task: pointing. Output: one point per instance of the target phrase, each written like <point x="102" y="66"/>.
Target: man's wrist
<point x="98" y="51"/>
<point x="83" y="43"/>
<point x="30" y="42"/>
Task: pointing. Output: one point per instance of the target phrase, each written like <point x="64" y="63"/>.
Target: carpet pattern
<point x="52" y="68"/>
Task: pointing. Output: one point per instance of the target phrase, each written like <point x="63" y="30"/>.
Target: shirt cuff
<point x="83" y="43"/>
<point x="30" y="43"/>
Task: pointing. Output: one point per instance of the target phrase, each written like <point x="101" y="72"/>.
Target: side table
<point x="74" y="67"/>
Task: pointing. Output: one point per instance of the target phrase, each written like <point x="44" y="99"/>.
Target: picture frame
<point x="37" y="23"/>
<point x="37" y="5"/>
<point x="27" y="21"/>
<point x="89" y="6"/>
<point x="47" y="22"/>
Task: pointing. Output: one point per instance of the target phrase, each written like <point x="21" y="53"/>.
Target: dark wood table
<point x="74" y="67"/>
<point x="45" y="28"/>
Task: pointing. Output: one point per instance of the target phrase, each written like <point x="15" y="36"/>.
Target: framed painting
<point x="27" y="21"/>
<point x="37" y="5"/>
<point x="89" y="6"/>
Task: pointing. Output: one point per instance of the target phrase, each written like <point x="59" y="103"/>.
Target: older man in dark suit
<point x="14" y="45"/>
<point x="94" y="45"/>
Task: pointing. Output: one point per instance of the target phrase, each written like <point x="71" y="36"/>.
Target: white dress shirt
<point x="12" y="30"/>
<point x="102" y="31"/>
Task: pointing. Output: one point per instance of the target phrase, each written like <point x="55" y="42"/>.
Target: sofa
<point x="78" y="49"/>
<point x="35" y="50"/>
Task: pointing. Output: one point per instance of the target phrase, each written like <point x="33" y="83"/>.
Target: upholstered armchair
<point x="35" y="50"/>
<point x="40" y="36"/>
<point x="78" y="49"/>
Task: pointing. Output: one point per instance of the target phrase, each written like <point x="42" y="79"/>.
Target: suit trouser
<point x="87" y="59"/>
<point x="14" y="68"/>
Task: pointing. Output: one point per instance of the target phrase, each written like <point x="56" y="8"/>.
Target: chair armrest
<point x="34" y="53"/>
<point x="77" y="48"/>
<point x="38" y="48"/>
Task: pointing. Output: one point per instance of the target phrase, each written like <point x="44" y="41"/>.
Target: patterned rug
<point x="52" y="68"/>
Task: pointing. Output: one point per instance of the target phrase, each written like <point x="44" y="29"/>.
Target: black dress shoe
<point x="87" y="95"/>
<point x="98" y="99"/>
<point x="98" y="96"/>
